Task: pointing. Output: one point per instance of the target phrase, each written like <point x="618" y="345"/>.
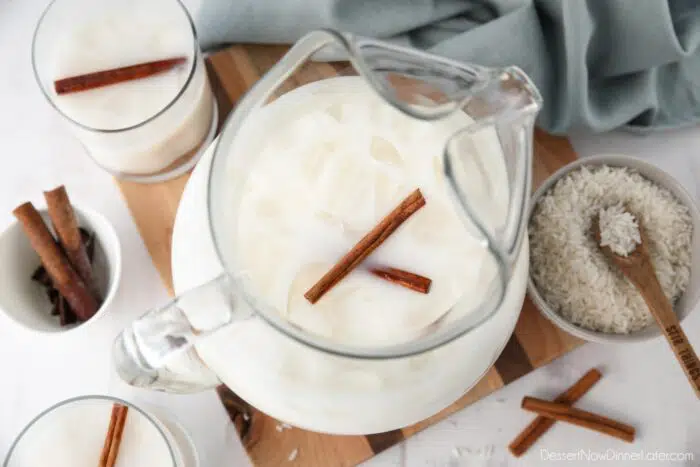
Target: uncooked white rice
<point x="570" y="271"/>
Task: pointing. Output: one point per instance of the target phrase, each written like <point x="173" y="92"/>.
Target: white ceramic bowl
<point x="687" y="301"/>
<point x="25" y="301"/>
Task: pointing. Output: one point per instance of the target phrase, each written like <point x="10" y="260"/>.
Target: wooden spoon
<point x="638" y="268"/>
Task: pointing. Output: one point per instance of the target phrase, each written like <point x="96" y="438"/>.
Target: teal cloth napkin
<point x="599" y="64"/>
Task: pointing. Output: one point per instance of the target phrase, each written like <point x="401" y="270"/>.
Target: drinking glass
<point x="166" y="139"/>
<point x="62" y="441"/>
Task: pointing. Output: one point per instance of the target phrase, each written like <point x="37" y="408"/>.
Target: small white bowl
<point x="687" y="301"/>
<point x="25" y="301"/>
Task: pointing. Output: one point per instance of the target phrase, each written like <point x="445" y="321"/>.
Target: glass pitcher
<point x="226" y="331"/>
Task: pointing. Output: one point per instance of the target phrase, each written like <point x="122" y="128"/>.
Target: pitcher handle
<point x="157" y="350"/>
<point x="507" y="107"/>
<point x="521" y="120"/>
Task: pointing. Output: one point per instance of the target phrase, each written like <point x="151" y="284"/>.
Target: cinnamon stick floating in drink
<point x="62" y="274"/>
<point x="589" y="420"/>
<point x="112" y="76"/>
<point x="110" y="449"/>
<point x="403" y="278"/>
<point x="540" y="425"/>
<point x="65" y="224"/>
<point x="110" y="434"/>
<point x="366" y="245"/>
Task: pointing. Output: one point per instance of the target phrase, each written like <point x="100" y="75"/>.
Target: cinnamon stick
<point x="62" y="274"/>
<point x="366" y="245"/>
<point x="540" y="425"/>
<point x="59" y="306"/>
<point x="403" y="278"/>
<point x="112" y="76"/>
<point x="65" y="224"/>
<point x="110" y="449"/>
<point x="110" y="434"/>
<point x="589" y="420"/>
<point x="117" y="438"/>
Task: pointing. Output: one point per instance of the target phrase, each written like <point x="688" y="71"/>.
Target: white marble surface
<point x="641" y="385"/>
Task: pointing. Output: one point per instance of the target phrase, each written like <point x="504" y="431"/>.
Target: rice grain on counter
<point x="572" y="274"/>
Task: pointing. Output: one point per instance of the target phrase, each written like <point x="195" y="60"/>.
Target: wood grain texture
<point x="638" y="268"/>
<point x="153" y="207"/>
<point x="543" y="341"/>
<point x="534" y="343"/>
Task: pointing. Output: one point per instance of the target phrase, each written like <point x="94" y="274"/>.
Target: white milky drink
<point x="332" y="160"/>
<point x="72" y="434"/>
<point x="148" y="126"/>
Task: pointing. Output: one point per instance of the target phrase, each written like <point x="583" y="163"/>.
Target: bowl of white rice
<point x="572" y="282"/>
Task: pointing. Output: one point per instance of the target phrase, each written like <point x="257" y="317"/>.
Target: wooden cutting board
<point x="534" y="343"/>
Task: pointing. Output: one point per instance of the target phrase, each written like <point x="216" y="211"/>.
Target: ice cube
<point x="383" y="151"/>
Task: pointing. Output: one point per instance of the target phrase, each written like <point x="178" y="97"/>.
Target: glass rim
<point x="51" y="101"/>
<point x="302" y="51"/>
<point x="152" y="420"/>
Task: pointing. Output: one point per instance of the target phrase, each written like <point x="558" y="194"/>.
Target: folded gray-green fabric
<point x="599" y="64"/>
